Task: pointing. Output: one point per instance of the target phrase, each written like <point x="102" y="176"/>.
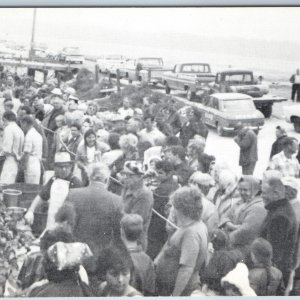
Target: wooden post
<point x="118" y="81"/>
<point x="97" y="73"/>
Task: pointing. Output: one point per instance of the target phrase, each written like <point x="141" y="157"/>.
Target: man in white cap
<point x="56" y="189"/>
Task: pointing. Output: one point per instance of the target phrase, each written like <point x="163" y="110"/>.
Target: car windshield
<point x="72" y="51"/>
<point x="195" y="68"/>
<point x="151" y="61"/>
<point x="239" y="78"/>
<point x="240" y="104"/>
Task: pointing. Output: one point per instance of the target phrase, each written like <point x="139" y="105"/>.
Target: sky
<point x="275" y="24"/>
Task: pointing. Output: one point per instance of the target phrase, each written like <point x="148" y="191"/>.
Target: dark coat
<point x="190" y="129"/>
<point x="258" y="281"/>
<point x="247" y="141"/>
<point x="157" y="234"/>
<point x="277" y="146"/>
<point x="98" y="215"/>
<point x="280" y="229"/>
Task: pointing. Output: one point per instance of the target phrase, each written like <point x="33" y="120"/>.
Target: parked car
<point x="189" y="77"/>
<point x="242" y="81"/>
<point x="224" y="110"/>
<point x="71" y="55"/>
<point x="146" y="69"/>
<point x="110" y="63"/>
<point x="292" y="115"/>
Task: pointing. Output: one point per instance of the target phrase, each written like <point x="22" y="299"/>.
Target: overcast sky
<point x="280" y="24"/>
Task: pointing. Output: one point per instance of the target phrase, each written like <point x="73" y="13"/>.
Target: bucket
<point x="29" y="192"/>
<point x="11" y="197"/>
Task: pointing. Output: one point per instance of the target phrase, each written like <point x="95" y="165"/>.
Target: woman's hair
<point x="128" y="142"/>
<point x="115" y="258"/>
<point x="164" y="165"/>
<point x="188" y="201"/>
<point x="88" y="133"/>
<point x="197" y="144"/>
<point x="263" y="253"/>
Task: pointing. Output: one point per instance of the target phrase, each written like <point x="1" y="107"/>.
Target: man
<point x="137" y="198"/>
<point x="295" y="80"/>
<point x="247" y="141"/>
<point x="74" y="140"/>
<point x="56" y="189"/>
<point x="126" y="111"/>
<point x="193" y="126"/>
<point x="50" y="123"/>
<point x="32" y="151"/>
<point x="277" y="146"/>
<point x="27" y="111"/>
<point x="13" y="140"/>
<point x="98" y="212"/>
<point x="176" y="156"/>
<point x="285" y="162"/>
<point x="280" y="225"/>
<point x="133" y="126"/>
<point x="150" y="133"/>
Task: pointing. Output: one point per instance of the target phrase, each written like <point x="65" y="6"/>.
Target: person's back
<point x="98" y="215"/>
<point x="264" y="286"/>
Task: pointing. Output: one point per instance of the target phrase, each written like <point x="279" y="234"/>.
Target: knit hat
<point x="239" y="278"/>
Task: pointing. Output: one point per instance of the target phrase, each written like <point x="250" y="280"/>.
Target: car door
<point x="208" y="115"/>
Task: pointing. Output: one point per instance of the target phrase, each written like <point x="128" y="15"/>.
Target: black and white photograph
<point x="149" y="151"/>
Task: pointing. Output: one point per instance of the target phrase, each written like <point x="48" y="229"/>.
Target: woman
<point x="247" y="216"/>
<point x="183" y="255"/>
<point x="194" y="149"/>
<point x="115" y="267"/>
<point x="265" y="279"/>
<point x="226" y="196"/>
<point x="87" y="153"/>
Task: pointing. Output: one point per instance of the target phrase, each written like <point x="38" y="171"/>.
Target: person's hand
<point x="210" y="248"/>
<point x="29" y="217"/>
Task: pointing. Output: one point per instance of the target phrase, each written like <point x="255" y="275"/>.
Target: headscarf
<point x="254" y="184"/>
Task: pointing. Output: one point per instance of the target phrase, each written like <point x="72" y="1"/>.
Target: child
<point x="143" y="278"/>
<point x="115" y="265"/>
<point x="265" y="279"/>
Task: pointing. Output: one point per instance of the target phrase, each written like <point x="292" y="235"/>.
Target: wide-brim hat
<point x="56" y="91"/>
<point x="62" y="158"/>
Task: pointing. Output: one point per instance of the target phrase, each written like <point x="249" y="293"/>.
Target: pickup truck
<point x="292" y="115"/>
<point x="145" y="69"/>
<point x="189" y="77"/>
<point x="71" y="55"/>
<point x="242" y="81"/>
<point x="225" y="110"/>
<point x="110" y="63"/>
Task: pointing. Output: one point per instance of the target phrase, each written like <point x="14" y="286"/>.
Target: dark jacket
<point x="98" y="214"/>
<point x="280" y="229"/>
<point x="277" y="146"/>
<point x="183" y="172"/>
<point x="157" y="234"/>
<point x="247" y="141"/>
<point x="190" y="129"/>
<point x="258" y="281"/>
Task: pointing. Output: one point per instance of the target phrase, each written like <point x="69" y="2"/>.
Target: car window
<point x="237" y="105"/>
<point x="212" y="102"/>
<point x="151" y="61"/>
<point x="195" y="68"/>
<point x="238" y="78"/>
<point x="177" y="68"/>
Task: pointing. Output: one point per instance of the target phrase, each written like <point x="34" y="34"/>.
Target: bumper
<point x="231" y="129"/>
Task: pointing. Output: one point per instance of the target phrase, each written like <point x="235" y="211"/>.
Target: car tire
<point x="220" y="130"/>
<point x="190" y="95"/>
<point x="267" y="111"/>
<point x="297" y="126"/>
<point x="167" y="89"/>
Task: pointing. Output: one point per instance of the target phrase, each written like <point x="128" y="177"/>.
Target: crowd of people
<point x="135" y="205"/>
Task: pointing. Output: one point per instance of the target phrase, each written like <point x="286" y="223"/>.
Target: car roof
<point x="193" y="63"/>
<point x="231" y="96"/>
<point x="232" y="71"/>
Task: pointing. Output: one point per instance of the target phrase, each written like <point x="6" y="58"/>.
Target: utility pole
<point x="31" y="51"/>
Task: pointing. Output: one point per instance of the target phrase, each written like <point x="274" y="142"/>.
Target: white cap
<point x="62" y="157"/>
<point x="56" y="91"/>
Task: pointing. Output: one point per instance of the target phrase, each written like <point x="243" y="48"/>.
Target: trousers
<point x="9" y="170"/>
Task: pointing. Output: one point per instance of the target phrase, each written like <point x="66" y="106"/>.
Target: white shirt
<point x="13" y="140"/>
<point x="33" y="144"/>
<point x="90" y="153"/>
<point x="125" y="112"/>
<point x="155" y="137"/>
